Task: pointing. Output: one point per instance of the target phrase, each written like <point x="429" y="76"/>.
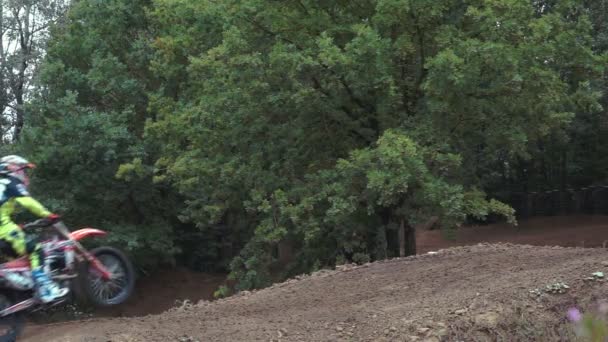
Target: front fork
<point x="82" y="254"/>
<point x="98" y="266"/>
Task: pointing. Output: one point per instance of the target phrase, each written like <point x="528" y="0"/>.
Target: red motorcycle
<point x="102" y="277"/>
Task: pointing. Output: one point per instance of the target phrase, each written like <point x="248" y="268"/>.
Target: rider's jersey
<point x="13" y="191"/>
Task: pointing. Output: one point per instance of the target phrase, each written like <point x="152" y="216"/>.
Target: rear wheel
<point x="108" y="292"/>
<point x="11" y="325"/>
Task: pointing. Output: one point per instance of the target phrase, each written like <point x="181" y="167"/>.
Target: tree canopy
<point x="208" y="133"/>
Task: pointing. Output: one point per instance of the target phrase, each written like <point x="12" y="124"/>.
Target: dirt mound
<point x="480" y="291"/>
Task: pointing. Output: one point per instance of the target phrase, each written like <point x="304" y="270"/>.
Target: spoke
<point x="111" y="266"/>
<point x="104" y="292"/>
<point x="110" y="288"/>
<point x="116" y="286"/>
<point x="98" y="292"/>
<point x="96" y="283"/>
<point x="120" y="274"/>
<point x="121" y="281"/>
<point x="114" y="290"/>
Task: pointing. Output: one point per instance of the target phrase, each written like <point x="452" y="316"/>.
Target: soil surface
<point x="478" y="292"/>
<point x="463" y="290"/>
<point x="163" y="290"/>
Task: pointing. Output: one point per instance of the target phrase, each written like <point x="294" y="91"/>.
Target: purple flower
<point x="574" y="315"/>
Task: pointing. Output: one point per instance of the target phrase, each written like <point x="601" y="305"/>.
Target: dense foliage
<point x="215" y="133"/>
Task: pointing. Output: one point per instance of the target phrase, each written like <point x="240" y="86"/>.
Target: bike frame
<point x="24" y="305"/>
<point x="71" y="247"/>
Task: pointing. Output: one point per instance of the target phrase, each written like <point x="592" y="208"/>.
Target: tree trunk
<point x="286" y="252"/>
<point x="381" y="247"/>
<point x="402" y="239"/>
<point x="564" y="170"/>
<point x="411" y="240"/>
<point x="407" y="239"/>
<point x="22" y="27"/>
<point x="18" y="117"/>
<point x="19" y="87"/>
<point x="3" y="85"/>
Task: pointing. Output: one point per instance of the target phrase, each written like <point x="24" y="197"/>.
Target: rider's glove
<point x="53" y="218"/>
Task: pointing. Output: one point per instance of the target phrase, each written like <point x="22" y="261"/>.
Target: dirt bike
<point x="102" y="277"/>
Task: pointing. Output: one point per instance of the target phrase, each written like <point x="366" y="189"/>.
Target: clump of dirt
<point x="482" y="292"/>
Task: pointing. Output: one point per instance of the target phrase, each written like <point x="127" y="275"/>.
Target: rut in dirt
<point x="429" y="296"/>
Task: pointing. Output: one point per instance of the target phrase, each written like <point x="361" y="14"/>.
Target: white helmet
<point x="15" y="166"/>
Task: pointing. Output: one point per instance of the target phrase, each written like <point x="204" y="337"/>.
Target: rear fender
<point x="86" y="232"/>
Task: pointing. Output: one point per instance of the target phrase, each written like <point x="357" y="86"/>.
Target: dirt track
<point x="429" y="297"/>
<point x="565" y="231"/>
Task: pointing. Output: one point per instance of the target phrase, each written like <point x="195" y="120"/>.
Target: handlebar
<point x="59" y="226"/>
<point x="64" y="231"/>
<point x="43" y="222"/>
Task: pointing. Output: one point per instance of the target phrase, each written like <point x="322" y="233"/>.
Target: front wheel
<point x="116" y="290"/>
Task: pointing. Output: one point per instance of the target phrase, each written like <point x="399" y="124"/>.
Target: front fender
<point x="86" y="232"/>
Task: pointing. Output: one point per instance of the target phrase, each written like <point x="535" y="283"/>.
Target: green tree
<point x="336" y="126"/>
<point x="24" y="28"/>
<point x="346" y="213"/>
<point x="294" y="87"/>
<point x="87" y="120"/>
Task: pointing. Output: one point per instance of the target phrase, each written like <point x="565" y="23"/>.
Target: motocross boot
<point x="48" y="290"/>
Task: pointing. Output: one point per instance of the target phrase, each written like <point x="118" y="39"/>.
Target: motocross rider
<point x="13" y="190"/>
